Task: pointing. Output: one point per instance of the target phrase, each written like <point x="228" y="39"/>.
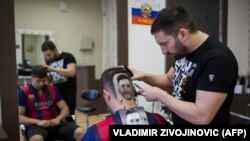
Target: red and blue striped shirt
<point x="100" y="131"/>
<point x="40" y="104"/>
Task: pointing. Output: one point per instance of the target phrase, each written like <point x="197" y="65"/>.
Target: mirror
<point x="83" y="18"/>
<point x="28" y="44"/>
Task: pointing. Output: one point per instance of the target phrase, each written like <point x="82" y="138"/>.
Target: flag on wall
<point x="144" y="12"/>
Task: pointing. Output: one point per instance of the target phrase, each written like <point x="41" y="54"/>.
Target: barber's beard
<point x="181" y="49"/>
<point x="52" y="59"/>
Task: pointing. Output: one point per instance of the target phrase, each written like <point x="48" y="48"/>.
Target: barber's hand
<point x="44" y="123"/>
<point x="49" y="68"/>
<point x="151" y="93"/>
<point x="137" y="75"/>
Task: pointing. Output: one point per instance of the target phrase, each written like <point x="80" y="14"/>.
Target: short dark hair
<point x="48" y="45"/>
<point x="106" y="80"/>
<point x="172" y="19"/>
<point x="121" y="77"/>
<point x="39" y="71"/>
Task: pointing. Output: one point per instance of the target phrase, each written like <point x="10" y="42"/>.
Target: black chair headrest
<point x="90" y="94"/>
<point x="24" y="72"/>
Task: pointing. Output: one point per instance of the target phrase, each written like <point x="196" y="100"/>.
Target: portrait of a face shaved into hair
<point x="123" y="86"/>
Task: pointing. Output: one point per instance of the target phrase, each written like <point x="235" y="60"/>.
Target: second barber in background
<point x="62" y="67"/>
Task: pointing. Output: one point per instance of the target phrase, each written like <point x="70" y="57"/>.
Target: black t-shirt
<point x="66" y="85"/>
<point x="211" y="67"/>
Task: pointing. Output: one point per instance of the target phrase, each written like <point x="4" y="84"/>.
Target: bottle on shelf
<point x="239" y="85"/>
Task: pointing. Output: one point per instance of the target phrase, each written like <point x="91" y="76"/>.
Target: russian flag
<point x="139" y="18"/>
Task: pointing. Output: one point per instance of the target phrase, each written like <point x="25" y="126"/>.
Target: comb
<point x="129" y="71"/>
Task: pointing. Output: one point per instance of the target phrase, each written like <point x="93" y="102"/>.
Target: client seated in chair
<point x="118" y="93"/>
<point x="42" y="110"/>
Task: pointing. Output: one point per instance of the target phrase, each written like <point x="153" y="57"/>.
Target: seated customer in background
<point x="118" y="93"/>
<point x="42" y="110"/>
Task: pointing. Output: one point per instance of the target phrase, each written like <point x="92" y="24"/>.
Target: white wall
<point x="238" y="32"/>
<point x="109" y="33"/>
<point x="144" y="53"/>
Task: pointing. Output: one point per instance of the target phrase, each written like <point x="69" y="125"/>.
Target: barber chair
<point x="88" y="95"/>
